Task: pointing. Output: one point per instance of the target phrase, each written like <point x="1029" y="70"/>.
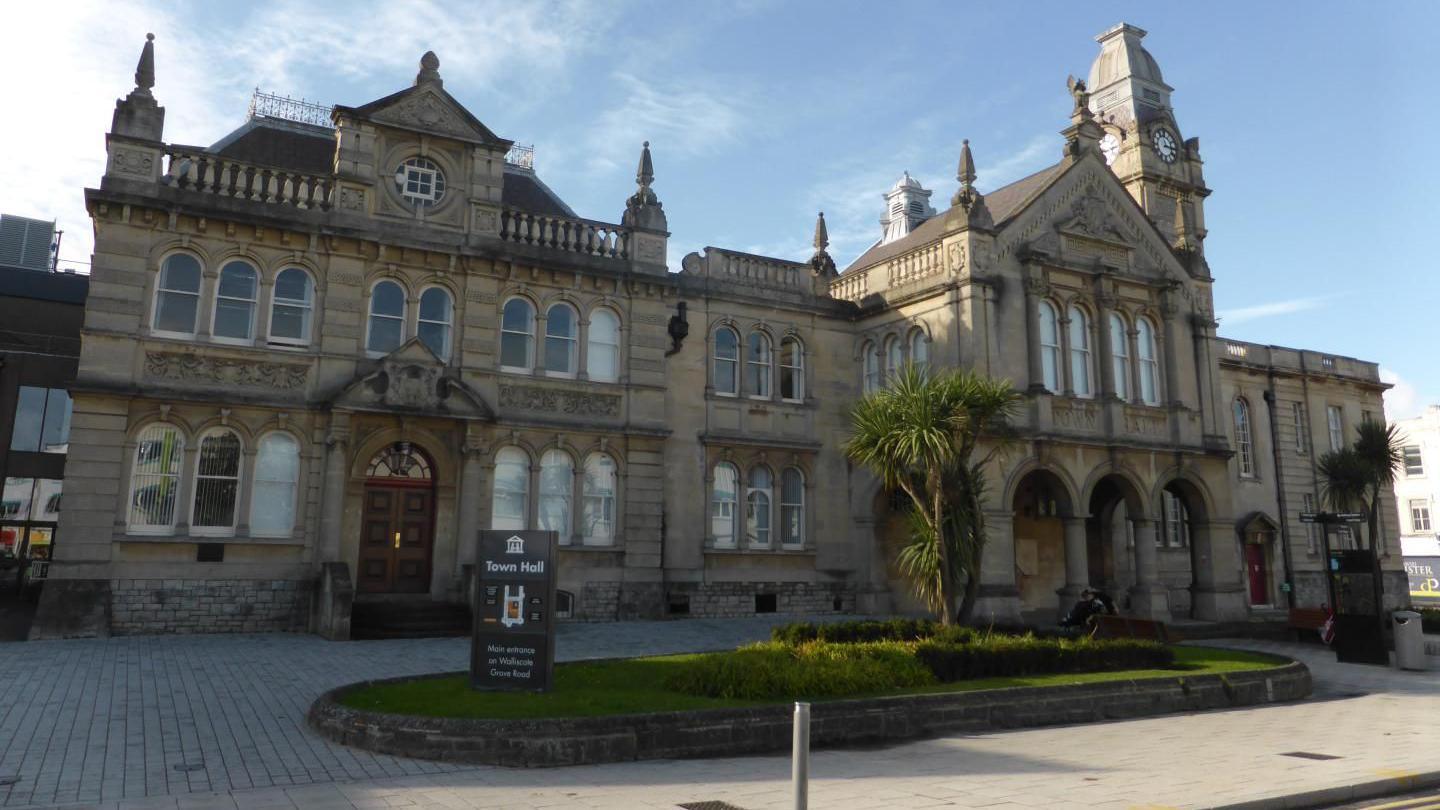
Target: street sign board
<point x="512" y="644"/>
<point x="1332" y="517"/>
<point x="1309" y="517"/>
<point x="1424" y="576"/>
<point x="1350" y="517"/>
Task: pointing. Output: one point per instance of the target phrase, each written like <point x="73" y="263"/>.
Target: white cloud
<point x="679" y="119"/>
<point x="1403" y="400"/>
<point x="1288" y="306"/>
<point x="1037" y="153"/>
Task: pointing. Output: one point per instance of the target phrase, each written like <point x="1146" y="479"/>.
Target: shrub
<point x="1008" y="656"/>
<point x="1429" y="619"/>
<point x="816" y="669"/>
<point x="854" y="632"/>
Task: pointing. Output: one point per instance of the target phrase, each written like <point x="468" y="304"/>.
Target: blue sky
<point x="1317" y="121"/>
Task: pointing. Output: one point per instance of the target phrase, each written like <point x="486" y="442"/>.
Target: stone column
<point x="1067" y="380"/>
<point x="332" y="502"/>
<point x="1137" y="386"/>
<point x="1104" y="303"/>
<point x="1219" y="589"/>
<point x="1077" y="562"/>
<point x="1035" y="288"/>
<point x="1149" y="598"/>
<point x="582" y="345"/>
<point x="999" y="597"/>
<point x="247" y="493"/>
<point x="1169" y="352"/>
<point x="467" y="505"/>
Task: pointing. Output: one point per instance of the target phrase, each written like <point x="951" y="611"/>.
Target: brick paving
<point x="217" y="721"/>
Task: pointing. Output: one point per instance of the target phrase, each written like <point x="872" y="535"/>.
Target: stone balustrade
<point x="565" y="234"/>
<point x="917" y="264"/>
<point x="851" y="286"/>
<point x="750" y="271"/>
<point x="192" y="168"/>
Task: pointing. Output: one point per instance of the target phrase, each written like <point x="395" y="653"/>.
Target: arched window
<point x="920" y="351"/>
<point x="1175" y="520"/>
<point x="727" y="361"/>
<point x="387" y="318"/>
<point x="597" y="526"/>
<point x="894" y="356"/>
<point x="757" y="365"/>
<point x="870" y="360"/>
<point x="155" y="479"/>
<point x="557" y="487"/>
<point x="272" y="502"/>
<point x="293" y="303"/>
<point x="399" y="460"/>
<point x="723" y="492"/>
<point x="758" y="497"/>
<point x="1120" y="356"/>
<point x="792" y="369"/>
<point x="1149" y="364"/>
<point x="517" y="335"/>
<point x="602" y="353"/>
<point x="177" y="295"/>
<point x="235" y="302"/>
<point x="1244" y="449"/>
<point x="1049" y="347"/>
<point x="433" y="325"/>
<point x="1080" y="352"/>
<point x="510" y="505"/>
<point x="217" y="483"/>
<point x="792" y="507"/>
<point x="562" y="340"/>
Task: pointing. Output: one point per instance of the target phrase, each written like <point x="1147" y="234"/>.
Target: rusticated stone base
<point x="208" y="606"/>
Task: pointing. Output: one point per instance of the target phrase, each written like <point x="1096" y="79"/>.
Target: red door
<point x="1255" y="570"/>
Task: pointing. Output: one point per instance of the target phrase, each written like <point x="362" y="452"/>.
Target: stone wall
<point x="731" y="599"/>
<point x="208" y="606"/>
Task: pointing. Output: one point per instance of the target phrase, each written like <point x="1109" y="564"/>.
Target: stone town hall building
<point x="320" y="354"/>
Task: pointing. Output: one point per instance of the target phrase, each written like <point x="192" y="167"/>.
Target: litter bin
<point x="1409" y="640"/>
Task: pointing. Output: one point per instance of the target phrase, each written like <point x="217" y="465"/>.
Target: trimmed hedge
<point x="773" y="671"/>
<point x="1008" y="656"/>
<point x="854" y="632"/>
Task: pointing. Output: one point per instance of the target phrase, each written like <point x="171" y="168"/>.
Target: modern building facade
<point x="1417" y="492"/>
<point x="322" y="353"/>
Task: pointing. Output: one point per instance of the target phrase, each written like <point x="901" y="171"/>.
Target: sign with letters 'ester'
<point x="512" y="646"/>
<point x="1424" y="576"/>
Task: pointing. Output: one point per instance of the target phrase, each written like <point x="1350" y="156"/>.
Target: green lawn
<point x="636" y="686"/>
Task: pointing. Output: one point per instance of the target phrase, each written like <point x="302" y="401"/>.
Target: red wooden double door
<point x="396" y="539"/>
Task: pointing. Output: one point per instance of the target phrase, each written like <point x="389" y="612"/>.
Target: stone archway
<point x="1050" y="563"/>
<point x="1122" y="526"/>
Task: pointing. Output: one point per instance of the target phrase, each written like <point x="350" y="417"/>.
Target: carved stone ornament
<point x="957" y="258"/>
<point x="1089" y="215"/>
<point x="352" y="199"/>
<point x="1037" y="286"/>
<point x="573" y="403"/>
<point x="427" y="111"/>
<point x="409" y="386"/>
<point x="225" y="371"/>
<point x="132" y="162"/>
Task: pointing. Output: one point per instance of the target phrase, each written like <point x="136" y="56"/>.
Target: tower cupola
<point x="1125" y="82"/>
<point x="907" y="204"/>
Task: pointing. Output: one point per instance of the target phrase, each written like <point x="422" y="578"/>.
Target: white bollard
<point x="800" y="756"/>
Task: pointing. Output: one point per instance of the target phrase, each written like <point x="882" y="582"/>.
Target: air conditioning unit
<point x="27" y="243"/>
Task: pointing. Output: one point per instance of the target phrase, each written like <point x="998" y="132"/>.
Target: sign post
<point x="1353" y="582"/>
<point x="512" y="645"/>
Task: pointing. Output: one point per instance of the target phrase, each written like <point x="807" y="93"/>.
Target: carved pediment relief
<point x="1091" y="218"/>
<point x="413" y="380"/>
<point x="430" y="109"/>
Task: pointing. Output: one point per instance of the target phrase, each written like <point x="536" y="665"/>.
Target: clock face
<point x="1109" y="147"/>
<point x="1165" y="145"/>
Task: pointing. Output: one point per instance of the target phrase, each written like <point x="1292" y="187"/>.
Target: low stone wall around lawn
<point x="729" y="732"/>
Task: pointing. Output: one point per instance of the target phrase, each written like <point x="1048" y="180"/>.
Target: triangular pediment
<point x="428" y="108"/>
<point x="412" y="379"/>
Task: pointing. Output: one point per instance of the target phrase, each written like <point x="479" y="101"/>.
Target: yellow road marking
<point x="1423" y="803"/>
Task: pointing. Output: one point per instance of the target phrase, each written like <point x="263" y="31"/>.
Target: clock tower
<point x="1142" y="142"/>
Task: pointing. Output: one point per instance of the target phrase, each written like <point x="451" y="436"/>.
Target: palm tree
<point x="920" y="435"/>
<point x="1355" y="478"/>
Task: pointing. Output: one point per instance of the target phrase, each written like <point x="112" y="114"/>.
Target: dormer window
<point x="420" y="181"/>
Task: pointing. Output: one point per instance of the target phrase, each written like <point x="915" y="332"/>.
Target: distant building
<point x="1417" y="494"/>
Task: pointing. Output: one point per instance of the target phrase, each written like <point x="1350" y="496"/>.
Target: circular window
<point x="420" y="181"/>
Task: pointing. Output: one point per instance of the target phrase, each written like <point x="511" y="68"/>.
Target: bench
<point x="1105" y="626"/>
<point x="1303" y="619"/>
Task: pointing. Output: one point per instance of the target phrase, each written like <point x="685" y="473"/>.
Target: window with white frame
<point x="870" y="361"/>
<point x="724" y="489"/>
<point x="602" y="350"/>
<point x="562" y="340"/>
<point x="517" y="335"/>
<point x="792" y="369"/>
<point x="387" y="318"/>
<point x="420" y="181"/>
<point x="433" y="323"/>
<point x="759" y="495"/>
<point x="1302" y="427"/>
<point x="1335" y="421"/>
<point x="1312" y="540"/>
<point x="557" y="485"/>
<point x="597" y="527"/>
<point x="1244" y="448"/>
<point x="1414" y="461"/>
<point x="235" y="302"/>
<point x="1419" y="515"/>
<point x="155" y="479"/>
<point x="727" y="361"/>
<point x="510" y="500"/>
<point x="292" y="303"/>
<point x="1120" y="356"/>
<point x="920" y="351"/>
<point x="177" y="295"/>
<point x="217" y="483"/>
<point x="1149" y="362"/>
<point x="1175" y="520"/>
<point x="894" y="357"/>
<point x="277" y="470"/>
<point x="1049" y="347"/>
<point x="1080" y="352"/>
<point x="757" y="365"/>
<point x="792" y="507"/>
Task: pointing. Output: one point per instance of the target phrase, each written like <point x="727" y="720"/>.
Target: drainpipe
<point x="1280" y="494"/>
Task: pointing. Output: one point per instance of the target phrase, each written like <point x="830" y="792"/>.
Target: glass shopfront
<point x="29" y="511"/>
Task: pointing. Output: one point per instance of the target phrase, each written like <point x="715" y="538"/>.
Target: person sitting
<point x="1092" y="603"/>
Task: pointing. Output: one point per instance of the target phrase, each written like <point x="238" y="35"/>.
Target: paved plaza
<point x="218" y="721"/>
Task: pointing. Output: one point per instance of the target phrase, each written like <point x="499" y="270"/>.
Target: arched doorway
<point x="1258" y="532"/>
<point x="1122" y="529"/>
<point x="1041" y="507"/>
<point x="397" y="534"/>
<point x="1181" y="535"/>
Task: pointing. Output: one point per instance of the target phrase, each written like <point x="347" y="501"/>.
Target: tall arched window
<point x="510" y="502"/>
<point x="1049" y="347"/>
<point x="870" y="365"/>
<point x="894" y="356"/>
<point x="387" y="318"/>
<point x="1080" y="352"/>
<point x="517" y="335"/>
<point x="217" y="483"/>
<point x="235" y="302"/>
<point x="792" y="507"/>
<point x="602" y="352"/>
<point x="758" y="497"/>
<point x="727" y="361"/>
<point x="792" y="369"/>
<point x="177" y="294"/>
<point x="155" y="479"/>
<point x="272" y="502"/>
<point x="1149" y="363"/>
<point x="597" y="527"/>
<point x="562" y="340"/>
<point x="920" y="351"/>
<point x="433" y="325"/>
<point x="1244" y="449"/>
<point x="723" y="495"/>
<point x="557" y="488"/>
<point x="757" y="365"/>
<point x="1120" y="356"/>
<point x="292" y="304"/>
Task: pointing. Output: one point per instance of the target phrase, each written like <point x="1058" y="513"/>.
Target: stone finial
<point x="145" y="69"/>
<point x="645" y="172"/>
<point x="822" y="236"/>
<point x="821" y="264"/>
<point x="644" y="208"/>
<point x="137" y="115"/>
<point x="966" y="173"/>
<point x="429" y="70"/>
<point x="970" y="201"/>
